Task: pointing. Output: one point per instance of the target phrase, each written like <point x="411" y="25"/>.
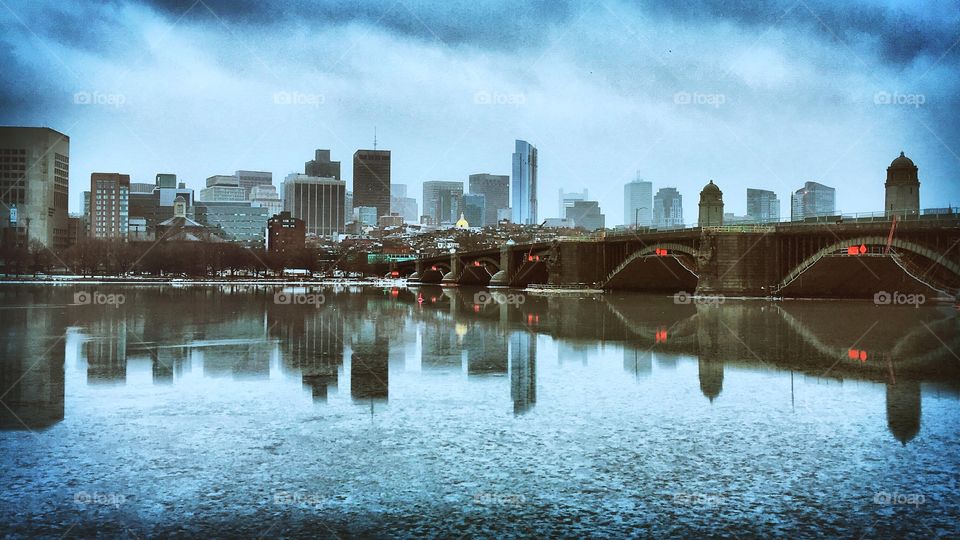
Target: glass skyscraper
<point x="525" y="183"/>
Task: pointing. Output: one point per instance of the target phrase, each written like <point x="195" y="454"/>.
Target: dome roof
<point x="462" y="222"/>
<point x="711" y="190"/>
<point x="902" y="162"/>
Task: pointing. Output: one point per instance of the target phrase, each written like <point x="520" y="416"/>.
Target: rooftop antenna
<point x="374" y="138"/>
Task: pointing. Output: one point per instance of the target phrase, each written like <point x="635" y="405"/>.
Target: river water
<point x="243" y="410"/>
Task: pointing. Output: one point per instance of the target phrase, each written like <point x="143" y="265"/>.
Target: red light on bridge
<point x="853" y="250"/>
<point x="863" y="249"/>
<point x="662" y="252"/>
<point x="476" y="263"/>
<point x="394" y="292"/>
<point x="857" y="354"/>
<point x="533" y="319"/>
<point x="661" y="336"/>
<point x="395" y="273"/>
<point x="476" y="308"/>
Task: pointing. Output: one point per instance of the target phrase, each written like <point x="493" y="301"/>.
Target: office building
<point x="586" y="214"/>
<point x="393" y="220"/>
<point x="34" y="186"/>
<point x="319" y="202"/>
<point x="403" y="205"/>
<point x="763" y="206"/>
<point x="495" y="189"/>
<point x="365" y="215"/>
<point x="237" y="221"/>
<point x="567" y="199"/>
<point x="812" y="200"/>
<point x="902" y="195"/>
<point x="249" y="179"/>
<point x="442" y="200"/>
<point x="638" y="203"/>
<point x="668" y="209"/>
<point x="525" y="184"/>
<point x="285" y="232"/>
<point x="321" y="166"/>
<point x="266" y="196"/>
<point x="109" y="205"/>
<point x="371" y="180"/>
<point x="474" y="209"/>
<point x="348" y="206"/>
<point x="222" y="188"/>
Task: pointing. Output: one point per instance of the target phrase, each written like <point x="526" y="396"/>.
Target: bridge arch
<point x="682" y="268"/>
<point x="838" y="247"/>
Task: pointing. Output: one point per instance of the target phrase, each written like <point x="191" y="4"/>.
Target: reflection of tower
<point x="711" y="378"/>
<point x="439" y="348"/>
<point x="369" y="366"/>
<point x="710" y="344"/>
<point x="903" y="410"/>
<point x="311" y="342"/>
<point x="106" y="351"/>
<point x="637" y="361"/>
<point x="486" y="350"/>
<point x="31" y="365"/>
<point x="166" y="362"/>
<point x="523" y="371"/>
<point x="573" y="352"/>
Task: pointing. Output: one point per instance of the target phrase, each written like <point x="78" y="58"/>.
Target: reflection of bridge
<point x="853" y="259"/>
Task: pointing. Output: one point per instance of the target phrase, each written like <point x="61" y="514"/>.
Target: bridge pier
<point x="415" y="276"/>
<point x="453" y="276"/>
<point x="737" y="263"/>
<point x="577" y="264"/>
<point x="508" y="267"/>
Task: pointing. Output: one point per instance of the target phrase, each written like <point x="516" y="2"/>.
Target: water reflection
<point x="373" y="336"/>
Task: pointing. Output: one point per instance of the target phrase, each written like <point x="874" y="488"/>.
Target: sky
<point x="676" y="93"/>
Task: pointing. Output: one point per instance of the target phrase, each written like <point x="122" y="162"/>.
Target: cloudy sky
<point x="677" y="92"/>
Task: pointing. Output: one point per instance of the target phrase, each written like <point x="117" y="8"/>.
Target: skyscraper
<point x="668" y="208"/>
<point x="319" y="202"/>
<point x="567" y="199"/>
<point x="222" y="188"/>
<point x="474" y="209"/>
<point x="403" y="205"/>
<point x="371" y="180"/>
<point x="638" y="203"/>
<point x="248" y="179"/>
<point x="586" y="214"/>
<point x="109" y="205"/>
<point x="763" y="206"/>
<point x="812" y="200"/>
<point x="321" y="165"/>
<point x="34" y="179"/>
<point x="442" y="201"/>
<point x="525" y="184"/>
<point x="495" y="189"/>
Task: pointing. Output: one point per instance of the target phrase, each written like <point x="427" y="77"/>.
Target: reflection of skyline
<point x="241" y="334"/>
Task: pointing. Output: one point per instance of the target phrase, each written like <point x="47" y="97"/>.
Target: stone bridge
<point x="840" y="259"/>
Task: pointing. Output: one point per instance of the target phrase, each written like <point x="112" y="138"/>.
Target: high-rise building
<point x="568" y="198"/>
<point x="109" y="205"/>
<point x="321" y="166"/>
<point x="638" y="203"/>
<point x="586" y="214"/>
<point x="525" y="184"/>
<point x="266" y="196"/>
<point x="365" y="215"/>
<point x="495" y="189"/>
<point x="812" y="200"/>
<point x="285" y="232"/>
<point x="902" y="188"/>
<point x="319" y="202"/>
<point x="442" y="201"/>
<point x="711" y="206"/>
<point x="400" y="204"/>
<point x="371" y="180"/>
<point x="474" y="209"/>
<point x="238" y="221"/>
<point x="763" y="206"/>
<point x="222" y="188"/>
<point x="249" y="179"/>
<point x="34" y="185"/>
<point x="166" y="180"/>
<point x="668" y="208"/>
<point x="348" y="205"/>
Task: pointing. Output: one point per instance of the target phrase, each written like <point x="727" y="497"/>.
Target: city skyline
<point x="638" y="110"/>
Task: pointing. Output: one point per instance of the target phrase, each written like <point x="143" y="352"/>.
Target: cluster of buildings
<point x="246" y="207"/>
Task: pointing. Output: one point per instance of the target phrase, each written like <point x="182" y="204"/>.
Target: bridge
<point x="839" y="258"/>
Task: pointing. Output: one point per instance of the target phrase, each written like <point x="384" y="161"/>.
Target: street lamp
<point x="636" y="216"/>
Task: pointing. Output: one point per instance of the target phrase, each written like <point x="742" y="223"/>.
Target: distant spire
<point x="374" y="138"/>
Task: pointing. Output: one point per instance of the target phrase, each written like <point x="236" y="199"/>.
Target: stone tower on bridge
<point x="711" y="206"/>
<point x="903" y="188"/>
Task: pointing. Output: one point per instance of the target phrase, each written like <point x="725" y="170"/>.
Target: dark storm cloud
<point x="902" y="38"/>
<point x="495" y="25"/>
